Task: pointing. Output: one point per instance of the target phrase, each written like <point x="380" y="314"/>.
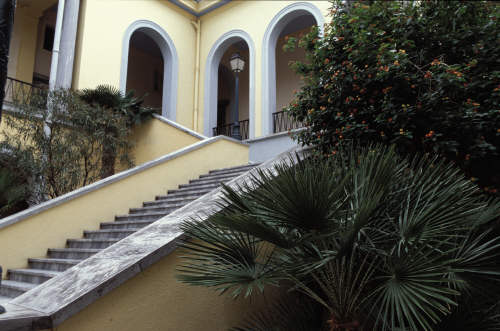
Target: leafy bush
<point x="67" y="142"/>
<point x="422" y="75"/>
<point x="376" y="241"/>
<point x="15" y="181"/>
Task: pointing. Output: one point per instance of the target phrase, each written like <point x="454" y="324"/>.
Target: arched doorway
<point x="145" y="69"/>
<point x="293" y="20"/>
<point x="150" y="65"/>
<point x="220" y="108"/>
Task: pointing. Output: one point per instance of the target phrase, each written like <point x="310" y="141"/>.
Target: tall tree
<point x="6" y="23"/>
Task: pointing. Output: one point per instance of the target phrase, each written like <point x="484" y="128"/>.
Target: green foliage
<point x="377" y="241"/>
<point x="110" y="97"/>
<point x="111" y="100"/>
<point x="15" y="178"/>
<point x="424" y="76"/>
<point x="67" y="143"/>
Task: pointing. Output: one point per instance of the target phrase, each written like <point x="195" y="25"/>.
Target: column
<point x="67" y="46"/>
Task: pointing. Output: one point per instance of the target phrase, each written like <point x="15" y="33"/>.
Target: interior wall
<point x="43" y="57"/>
<point x="225" y="91"/>
<point x="141" y="76"/>
<point x="23" y="45"/>
<point x="287" y="81"/>
<point x="244" y="78"/>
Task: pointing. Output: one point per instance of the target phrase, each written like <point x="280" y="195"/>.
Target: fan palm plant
<point x="111" y="99"/>
<point x="377" y="241"/>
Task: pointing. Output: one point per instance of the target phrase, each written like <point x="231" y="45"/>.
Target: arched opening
<point x="150" y="66"/>
<point x="279" y="80"/>
<point x="145" y="69"/>
<point x="229" y="96"/>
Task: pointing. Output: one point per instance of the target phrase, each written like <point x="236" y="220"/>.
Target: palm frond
<point x="228" y="260"/>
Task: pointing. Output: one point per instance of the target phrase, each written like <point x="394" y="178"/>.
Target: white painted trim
<point x="170" y="63"/>
<point x="273" y="135"/>
<point x="274" y="29"/>
<point x="180" y="127"/>
<point x="4" y="222"/>
<point x="57" y="41"/>
<point x="211" y="79"/>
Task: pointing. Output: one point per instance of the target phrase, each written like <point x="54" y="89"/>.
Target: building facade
<point x="120" y="275"/>
<point x="176" y="52"/>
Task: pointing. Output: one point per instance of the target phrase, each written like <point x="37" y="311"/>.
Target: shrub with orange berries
<point x="445" y="78"/>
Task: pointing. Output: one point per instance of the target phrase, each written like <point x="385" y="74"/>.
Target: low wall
<point x="267" y="147"/>
<point x="160" y="136"/>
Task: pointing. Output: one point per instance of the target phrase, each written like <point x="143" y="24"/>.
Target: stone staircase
<point x="60" y="259"/>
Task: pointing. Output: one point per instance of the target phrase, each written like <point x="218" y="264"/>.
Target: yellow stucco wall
<point x="23" y="46"/>
<point x="286" y="79"/>
<point x="252" y="17"/>
<point x="99" y="44"/>
<point x="70" y="218"/>
<point x="155" y="301"/>
<point x="156" y="138"/>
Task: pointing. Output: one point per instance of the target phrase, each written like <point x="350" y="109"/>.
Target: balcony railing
<point x="227" y="130"/>
<point x="19" y="92"/>
<point x="282" y="121"/>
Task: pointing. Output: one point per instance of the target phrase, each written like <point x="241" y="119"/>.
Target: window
<point x="48" y="39"/>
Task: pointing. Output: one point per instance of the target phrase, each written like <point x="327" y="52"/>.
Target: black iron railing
<point x="19" y="92"/>
<point x="282" y="121"/>
<point x="227" y="130"/>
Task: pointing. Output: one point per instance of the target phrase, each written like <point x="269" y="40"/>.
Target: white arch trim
<point x="274" y="29"/>
<point x="170" y="63"/>
<point x="211" y="80"/>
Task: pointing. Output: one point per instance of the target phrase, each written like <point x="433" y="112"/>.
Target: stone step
<point x="164" y="209"/>
<point x="173" y="205"/>
<point x="187" y="191"/>
<point x="199" y="186"/>
<point x="108" y="234"/>
<point x="12" y="289"/>
<point x="51" y="264"/>
<point x="34" y="276"/>
<point x="242" y="168"/>
<point x="71" y="253"/>
<point x="210" y="180"/>
<point x="180" y="194"/>
<point x="217" y="176"/>
<point x="174" y="199"/>
<point x="164" y="203"/>
<point x="139" y="217"/>
<point x="90" y="243"/>
<point x="125" y="225"/>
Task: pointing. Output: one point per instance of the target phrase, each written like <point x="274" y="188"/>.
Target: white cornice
<point x="199" y="7"/>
